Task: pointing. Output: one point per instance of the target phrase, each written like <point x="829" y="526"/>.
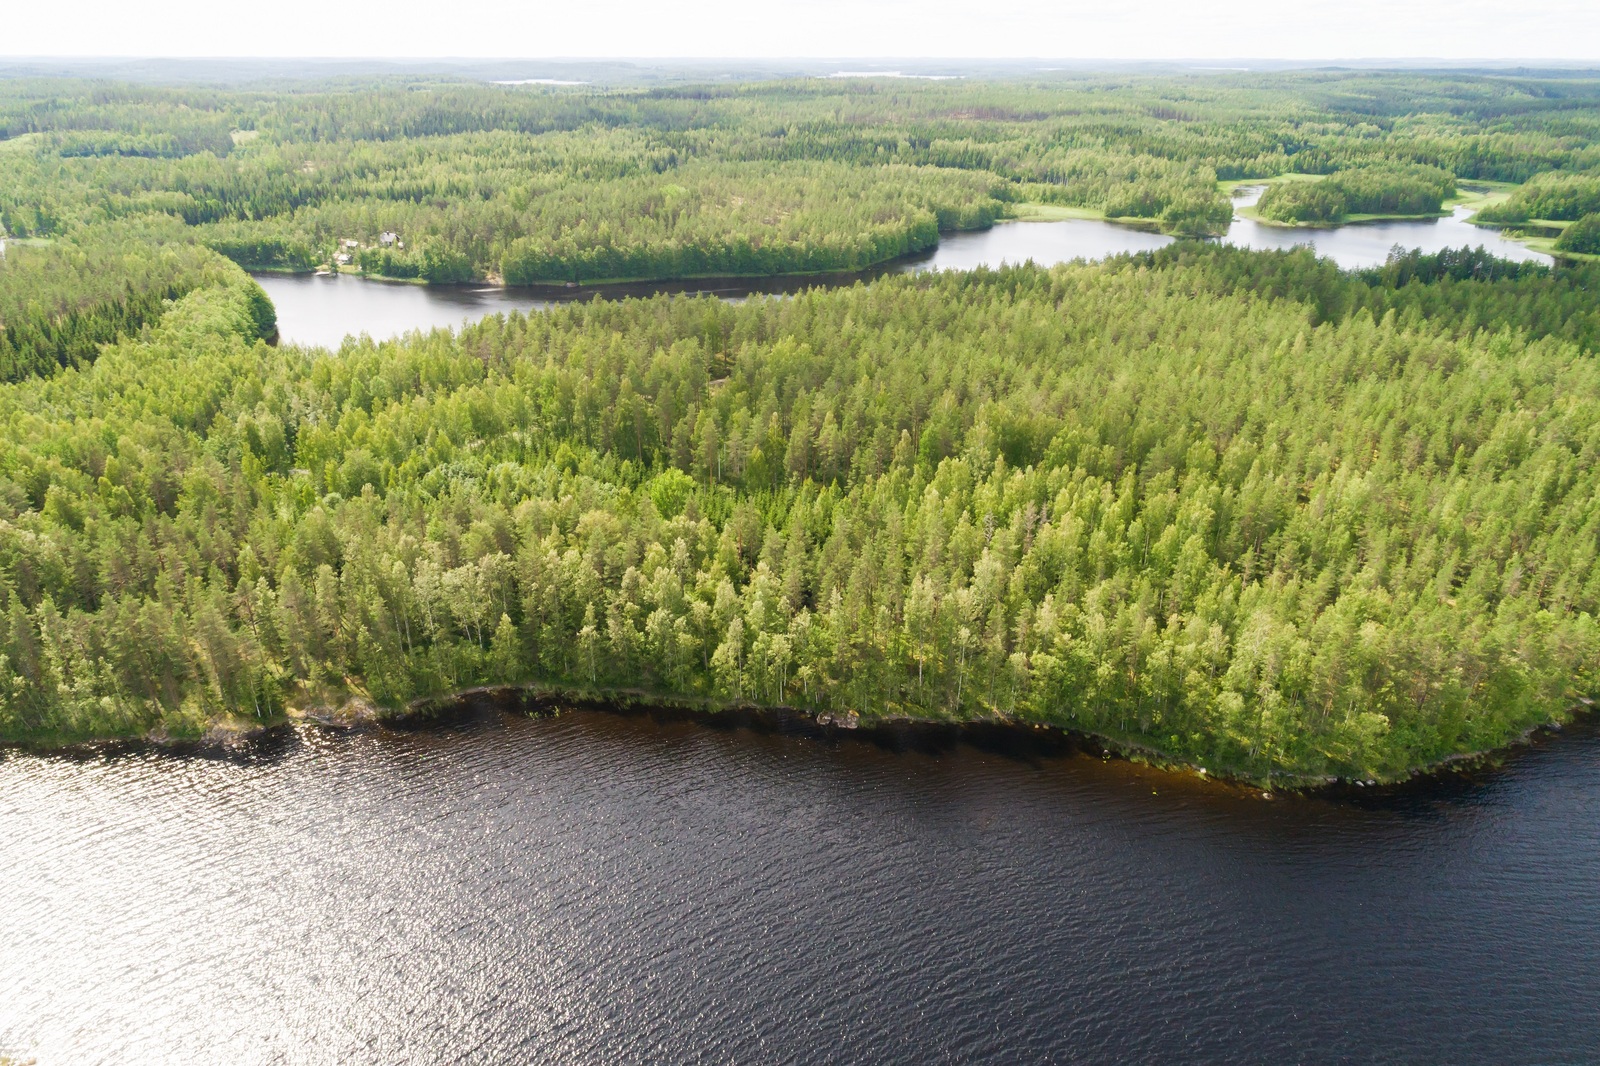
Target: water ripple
<point x="609" y="889"/>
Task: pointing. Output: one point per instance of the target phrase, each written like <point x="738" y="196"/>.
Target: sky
<point x="1068" y="29"/>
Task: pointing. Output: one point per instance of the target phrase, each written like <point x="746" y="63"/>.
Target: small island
<point x="1358" y="194"/>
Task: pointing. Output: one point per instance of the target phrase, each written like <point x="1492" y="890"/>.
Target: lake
<point x="599" y="888"/>
<point x="323" y="310"/>
<point x="1365" y="244"/>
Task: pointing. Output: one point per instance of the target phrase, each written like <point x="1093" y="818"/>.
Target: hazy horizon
<point x="1318" y="31"/>
<point x="657" y="70"/>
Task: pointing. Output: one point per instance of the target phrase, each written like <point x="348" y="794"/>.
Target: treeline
<point x="756" y="219"/>
<point x="256" y="249"/>
<point x="572" y="207"/>
<point x="105" y="118"/>
<point x="1181" y="196"/>
<point x="1148" y="499"/>
<point x="695" y="219"/>
<point x="61" y="302"/>
<point x="484" y="181"/>
<point x="1386" y="190"/>
<point x="1557" y="197"/>
<point x="1583" y="236"/>
<point x="1458" y="293"/>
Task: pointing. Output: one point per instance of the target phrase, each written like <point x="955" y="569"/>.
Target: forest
<point x="446" y="182"/>
<point x="1269" y="531"/>
<point x="61" y="302"/>
<point x="1376" y="191"/>
<point x="1239" y="509"/>
<point x="1583" y="236"/>
<point x="1555" y="195"/>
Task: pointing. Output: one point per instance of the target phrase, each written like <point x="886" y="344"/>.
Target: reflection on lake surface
<point x="609" y="889"/>
<point x="323" y="310"/>
<point x="1366" y="244"/>
<point x="1046" y="243"/>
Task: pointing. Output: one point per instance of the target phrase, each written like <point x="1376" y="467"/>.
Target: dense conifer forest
<point x="61" y="302"/>
<point x="1241" y="509"/>
<point x="533" y="184"/>
<point x="1375" y="190"/>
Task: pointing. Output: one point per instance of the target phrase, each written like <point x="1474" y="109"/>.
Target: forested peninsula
<point x="1239" y="509"/>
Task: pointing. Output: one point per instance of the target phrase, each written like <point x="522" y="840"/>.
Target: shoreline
<point x="1249" y="213"/>
<point x="571" y="289"/>
<point x="1032" y="212"/>
<point x="695" y="284"/>
<point x="543" y="700"/>
<point x="356" y="713"/>
<point x="496" y="281"/>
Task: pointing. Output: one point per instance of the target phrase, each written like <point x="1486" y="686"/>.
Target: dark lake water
<point x="313" y="310"/>
<point x="605" y="889"/>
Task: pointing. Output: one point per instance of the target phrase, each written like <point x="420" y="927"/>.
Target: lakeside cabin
<point x="349" y="246"/>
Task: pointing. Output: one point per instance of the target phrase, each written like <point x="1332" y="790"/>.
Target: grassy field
<point x="1344" y="220"/>
<point x="1534" y="227"/>
<point x="1230" y="187"/>
<point x="1547" y="245"/>
<point x="21" y="142"/>
<point x="1388" y="218"/>
<point x="1480" y="194"/>
<point x="1032" y="212"/>
<point x="1053" y="213"/>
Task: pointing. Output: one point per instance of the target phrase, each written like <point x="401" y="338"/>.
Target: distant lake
<point x="1045" y="243"/>
<point x="597" y="888"/>
<point x="324" y="310"/>
<point x="1365" y="244"/>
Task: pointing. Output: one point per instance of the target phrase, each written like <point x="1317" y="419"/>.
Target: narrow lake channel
<point x="324" y="310"/>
